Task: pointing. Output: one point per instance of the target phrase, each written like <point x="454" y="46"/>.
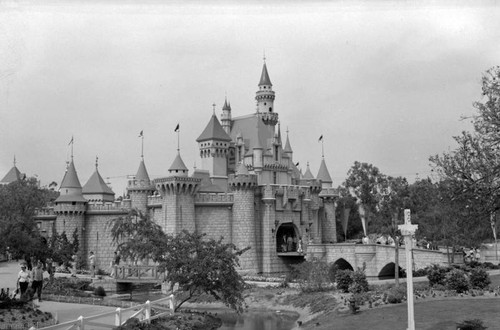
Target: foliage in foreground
<point x="200" y="265"/>
<point x="474" y="324"/>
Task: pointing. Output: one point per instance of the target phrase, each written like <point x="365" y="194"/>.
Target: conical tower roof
<point x="227" y="106"/>
<point x="213" y="131"/>
<point x="96" y="185"/>
<point x="308" y="175"/>
<point x="287" y="149"/>
<point x="142" y="174"/>
<point x="242" y="169"/>
<point x="70" y="188"/>
<point x="323" y="173"/>
<point x="70" y="179"/>
<point x="12" y="176"/>
<point x="178" y="165"/>
<point x="264" y="77"/>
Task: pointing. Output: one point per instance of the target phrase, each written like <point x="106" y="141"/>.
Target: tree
<point x="472" y="170"/>
<point x="363" y="183"/>
<point x="200" y="265"/>
<point x="18" y="202"/>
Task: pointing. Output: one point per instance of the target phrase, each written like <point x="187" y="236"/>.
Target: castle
<point x="248" y="191"/>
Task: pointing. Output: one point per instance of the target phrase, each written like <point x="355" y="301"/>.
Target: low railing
<point x="137" y="273"/>
<point x="145" y="313"/>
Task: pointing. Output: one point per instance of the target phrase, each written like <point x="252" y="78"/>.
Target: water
<point x="257" y="320"/>
<point x="250" y="320"/>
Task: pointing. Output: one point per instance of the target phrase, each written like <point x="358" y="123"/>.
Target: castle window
<point x="270" y="109"/>
<point x="275" y="177"/>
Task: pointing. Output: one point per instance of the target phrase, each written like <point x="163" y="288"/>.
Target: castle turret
<point x="226" y="117"/>
<point x="13" y="175"/>
<point x="140" y="188"/>
<point x="96" y="190"/>
<point x="265" y="99"/>
<point x="214" y="145"/>
<point x="245" y="230"/>
<point x="70" y="208"/>
<point x="178" y="191"/>
<point x="329" y="196"/>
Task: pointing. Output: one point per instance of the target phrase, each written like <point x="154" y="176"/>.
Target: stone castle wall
<point x="215" y="221"/>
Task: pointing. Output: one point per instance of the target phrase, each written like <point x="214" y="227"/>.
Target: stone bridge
<point x="379" y="259"/>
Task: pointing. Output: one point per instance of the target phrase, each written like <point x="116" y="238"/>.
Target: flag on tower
<point x="140" y="134"/>
<point x="176" y="128"/>
<point x="297" y="164"/>
<point x="320" y="138"/>
<point x="71" y="142"/>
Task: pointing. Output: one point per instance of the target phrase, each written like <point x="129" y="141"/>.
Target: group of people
<point x="34" y="277"/>
<point x="291" y="244"/>
<point x="473" y="254"/>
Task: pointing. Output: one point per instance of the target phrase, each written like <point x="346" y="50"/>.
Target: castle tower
<point x="288" y="151"/>
<point x="140" y="188"/>
<point x="70" y="208"/>
<point x="96" y="190"/>
<point x="13" y="175"/>
<point x="265" y="99"/>
<point x="329" y="196"/>
<point x="226" y="117"/>
<point x="214" y="145"/>
<point x="178" y="191"/>
<point x="245" y="230"/>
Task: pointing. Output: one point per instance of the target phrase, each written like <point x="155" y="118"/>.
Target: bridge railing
<point x="132" y="272"/>
<point x="146" y="312"/>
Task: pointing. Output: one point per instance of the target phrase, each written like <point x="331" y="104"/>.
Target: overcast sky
<point x="384" y="82"/>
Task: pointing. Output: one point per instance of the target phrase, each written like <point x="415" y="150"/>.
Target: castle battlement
<point x="214" y="199"/>
<point x="106" y="208"/>
<point x="70" y="208"/>
<point x="155" y="201"/>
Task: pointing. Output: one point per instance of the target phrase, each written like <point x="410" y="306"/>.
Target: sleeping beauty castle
<point x="248" y="190"/>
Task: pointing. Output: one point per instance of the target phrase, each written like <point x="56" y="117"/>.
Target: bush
<point x="332" y="271"/>
<point x="474" y="324"/>
<point x="344" y="279"/>
<point x="395" y="295"/>
<point x="457" y="280"/>
<point x="479" y="278"/>
<point x="420" y="272"/>
<point x="100" y="292"/>
<point x="359" y="282"/>
<point x="312" y="275"/>
<point x="437" y="274"/>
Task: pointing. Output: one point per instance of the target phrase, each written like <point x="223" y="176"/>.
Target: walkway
<point x="63" y="311"/>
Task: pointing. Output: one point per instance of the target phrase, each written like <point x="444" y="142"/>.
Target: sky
<point x="384" y="82"/>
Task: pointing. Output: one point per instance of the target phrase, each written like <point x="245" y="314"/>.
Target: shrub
<point x="359" y="282"/>
<point x="420" y="272"/>
<point x="474" y="324"/>
<point x="344" y="280"/>
<point x="332" y="271"/>
<point x="457" y="280"/>
<point x="436" y="274"/>
<point x="312" y="275"/>
<point x="100" y="292"/>
<point x="395" y="295"/>
<point x="479" y="278"/>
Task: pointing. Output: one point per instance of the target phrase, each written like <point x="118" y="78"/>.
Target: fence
<point x="146" y="312"/>
<point x="136" y="273"/>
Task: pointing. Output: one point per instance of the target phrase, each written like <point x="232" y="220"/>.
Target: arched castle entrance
<point x="287" y="238"/>
<point x="342" y="264"/>
<point x="388" y="271"/>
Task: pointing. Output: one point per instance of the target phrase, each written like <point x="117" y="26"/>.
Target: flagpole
<point x="322" y="149"/>
<point x="142" y="147"/>
<point x="178" y="140"/>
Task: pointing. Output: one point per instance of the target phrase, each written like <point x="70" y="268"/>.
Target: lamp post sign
<point x="408" y="230"/>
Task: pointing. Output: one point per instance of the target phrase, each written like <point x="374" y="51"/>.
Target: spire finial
<point x="14" y="160"/>
<point x="141" y="135"/>
<point x="96" y="162"/>
<point x="264" y="56"/>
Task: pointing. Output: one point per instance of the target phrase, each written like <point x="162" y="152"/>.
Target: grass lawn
<point x="429" y="315"/>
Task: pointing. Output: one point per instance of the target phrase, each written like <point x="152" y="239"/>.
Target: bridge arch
<point x="285" y="231"/>
<point x="343" y="264"/>
<point x="388" y="271"/>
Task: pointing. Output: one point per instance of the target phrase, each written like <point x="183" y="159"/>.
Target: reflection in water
<point x="257" y="320"/>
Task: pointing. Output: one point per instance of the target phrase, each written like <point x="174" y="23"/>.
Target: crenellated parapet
<point x="223" y="199"/>
<point x="269" y="118"/>
<point x="329" y="194"/>
<point x="140" y="185"/>
<point x="107" y="208"/>
<point x="66" y="208"/>
<point x="45" y="213"/>
<point x="243" y="181"/>
<point x="155" y="201"/>
<point x="177" y="185"/>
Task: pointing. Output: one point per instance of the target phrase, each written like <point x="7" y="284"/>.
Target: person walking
<point x="23" y="280"/>
<point x="92" y="264"/>
<point x="115" y="263"/>
<point x="38" y="280"/>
